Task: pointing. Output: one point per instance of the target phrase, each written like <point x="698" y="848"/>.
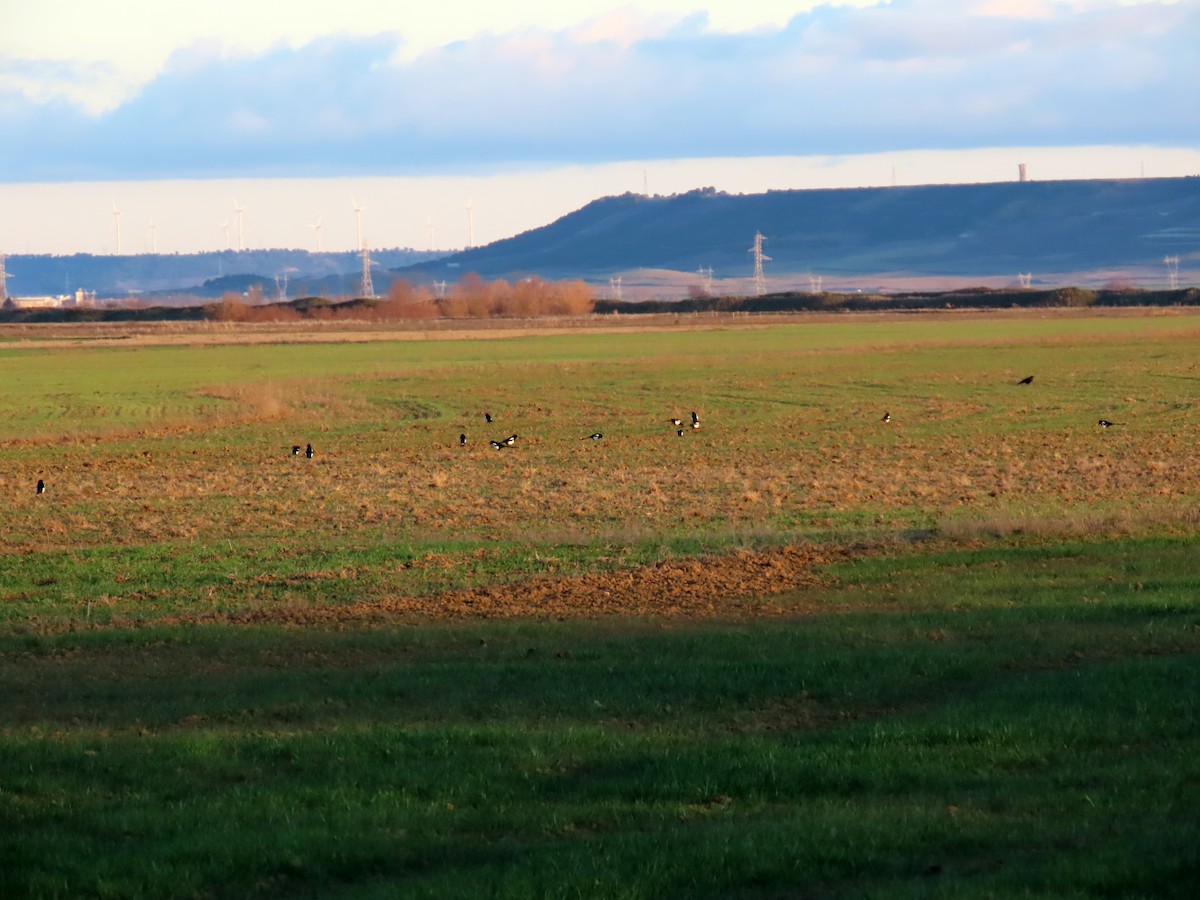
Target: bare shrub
<point x="405" y="302"/>
<point x="231" y="309"/>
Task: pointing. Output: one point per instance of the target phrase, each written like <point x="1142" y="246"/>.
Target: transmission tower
<point x="368" y="288"/>
<point x="614" y="286"/>
<point x="441" y="288"/>
<point x="760" y="280"/>
<point x="281" y="282"/>
<point x="1172" y="271"/>
<point x="1025" y="279"/>
<point x="814" y="283"/>
<point x="706" y="279"/>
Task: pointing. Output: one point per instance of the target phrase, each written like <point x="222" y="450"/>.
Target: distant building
<point x="1023" y="172"/>
<point x="32" y="302"/>
<point x="81" y="298"/>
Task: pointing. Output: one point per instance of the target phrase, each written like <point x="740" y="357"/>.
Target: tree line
<point x="469" y="298"/>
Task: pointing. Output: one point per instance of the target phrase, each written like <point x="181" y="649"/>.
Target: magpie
<point x="593" y="437"/>
<point x="679" y="433"/>
<point x="510" y="440"/>
<point x="695" y="420"/>
<point x="496" y="445"/>
<point x="462" y="439"/>
<point x="295" y="449"/>
<point x="887" y="417"/>
<point x="1104" y="423"/>
<point x="308" y="451"/>
<point x="487" y="417"/>
<point x="41" y="486"/>
<point x="1028" y="379"/>
<point x="677" y="422"/>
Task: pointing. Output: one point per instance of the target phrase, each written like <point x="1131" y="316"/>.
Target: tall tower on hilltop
<point x="3" y="280"/>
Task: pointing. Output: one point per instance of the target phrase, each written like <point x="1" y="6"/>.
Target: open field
<point x="795" y="652"/>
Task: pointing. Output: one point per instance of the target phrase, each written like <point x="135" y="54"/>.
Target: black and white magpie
<point x="295" y="449"/>
<point x="510" y="440"/>
<point x="1104" y="423"/>
<point x="308" y="451"/>
<point x="462" y="439"/>
<point x="41" y="486"/>
<point x="487" y="417"/>
<point x="887" y="417"/>
<point x="496" y="445"/>
<point x="677" y="422"/>
<point x="595" y="436"/>
<point x="695" y="420"/>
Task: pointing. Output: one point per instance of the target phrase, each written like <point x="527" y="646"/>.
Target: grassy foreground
<point x="171" y="492"/>
<point x="990" y="689"/>
<point x="1025" y="728"/>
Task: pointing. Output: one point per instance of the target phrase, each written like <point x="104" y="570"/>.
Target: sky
<point x="144" y="122"/>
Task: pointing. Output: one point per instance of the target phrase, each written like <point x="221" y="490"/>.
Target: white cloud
<point x="643" y="81"/>
<point x="134" y="39"/>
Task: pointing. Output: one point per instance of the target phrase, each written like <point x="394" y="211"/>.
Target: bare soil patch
<point x="741" y="585"/>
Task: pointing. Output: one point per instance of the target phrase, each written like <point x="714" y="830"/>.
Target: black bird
<point x="677" y="422"/>
<point x="1104" y="423"/>
<point x="41" y="486"/>
<point x="695" y="420"/>
<point x="1028" y="379"/>
<point x="462" y="439"/>
<point x="887" y="417"/>
<point x="679" y="433"/>
<point x="510" y="440"/>
<point x="487" y="417"/>
<point x="295" y="449"/>
<point x="308" y="451"/>
<point x="496" y="445"/>
<point x="593" y="437"/>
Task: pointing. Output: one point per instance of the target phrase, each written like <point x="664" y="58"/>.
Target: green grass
<point x="992" y="695"/>
<point x="1009" y="740"/>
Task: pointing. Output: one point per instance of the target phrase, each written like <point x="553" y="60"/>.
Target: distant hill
<point x="205" y="275"/>
<point x="1087" y="233"/>
<point x="968" y="231"/>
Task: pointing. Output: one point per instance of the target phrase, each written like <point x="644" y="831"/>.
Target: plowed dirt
<point x="742" y="585"/>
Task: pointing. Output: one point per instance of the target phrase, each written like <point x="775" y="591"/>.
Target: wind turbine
<point x="117" y="226"/>
<point x="358" y="211"/>
<point x="429" y="225"/>
<point x="317" y="228"/>
<point x="224" y="226"/>
<point x="239" y="209"/>
<point x="470" y="225"/>
<point x="153" y="236"/>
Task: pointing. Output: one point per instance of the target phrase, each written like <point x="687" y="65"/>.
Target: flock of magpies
<point x="594" y="436"/>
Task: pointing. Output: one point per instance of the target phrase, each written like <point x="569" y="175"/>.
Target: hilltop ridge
<point x="1092" y="233"/>
<point x="972" y="231"/>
